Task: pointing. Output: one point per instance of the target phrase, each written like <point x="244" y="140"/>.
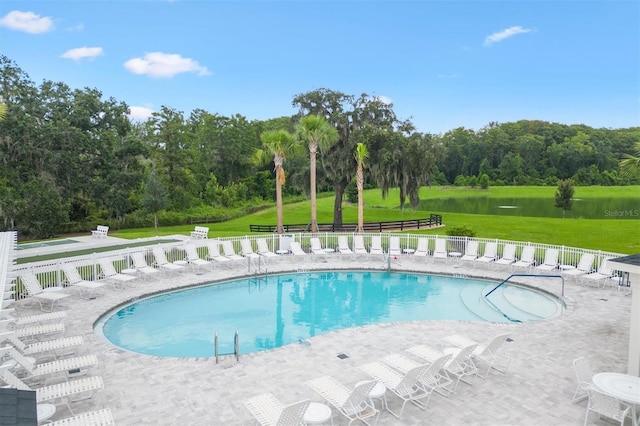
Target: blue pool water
<point x="283" y="309"/>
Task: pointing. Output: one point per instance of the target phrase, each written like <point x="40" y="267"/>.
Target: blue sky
<point x="443" y="64"/>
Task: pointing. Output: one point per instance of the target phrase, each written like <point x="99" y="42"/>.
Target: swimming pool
<point x="278" y="310"/>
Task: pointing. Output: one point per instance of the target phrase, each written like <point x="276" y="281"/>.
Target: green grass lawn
<point x="615" y="235"/>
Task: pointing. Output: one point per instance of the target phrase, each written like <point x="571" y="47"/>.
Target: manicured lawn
<point x="616" y="235"/>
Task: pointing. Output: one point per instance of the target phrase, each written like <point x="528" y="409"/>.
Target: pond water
<point x="592" y="208"/>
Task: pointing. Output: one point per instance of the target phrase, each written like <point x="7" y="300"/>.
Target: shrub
<point x="461" y="231"/>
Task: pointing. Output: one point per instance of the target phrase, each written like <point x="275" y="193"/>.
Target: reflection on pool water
<point x="283" y="309"/>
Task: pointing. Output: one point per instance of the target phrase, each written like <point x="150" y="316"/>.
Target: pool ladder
<point x="236" y="347"/>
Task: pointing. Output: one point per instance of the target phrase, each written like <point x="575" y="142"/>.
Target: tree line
<point x="71" y="159"/>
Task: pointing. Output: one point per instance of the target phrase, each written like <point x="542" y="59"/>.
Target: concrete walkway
<point x="536" y="390"/>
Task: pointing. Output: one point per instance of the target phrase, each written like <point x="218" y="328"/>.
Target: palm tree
<point x="360" y="155"/>
<point x="318" y="133"/>
<point x="630" y="164"/>
<point x="279" y="144"/>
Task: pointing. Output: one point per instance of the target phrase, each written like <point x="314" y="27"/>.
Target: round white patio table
<point x="317" y="413"/>
<point x="45" y="412"/>
<point x="622" y="386"/>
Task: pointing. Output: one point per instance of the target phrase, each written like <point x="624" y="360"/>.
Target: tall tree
<point x="318" y="133"/>
<point x="564" y="195"/>
<point x="347" y="114"/>
<point x="279" y="144"/>
<point x="360" y="155"/>
<point x="154" y="198"/>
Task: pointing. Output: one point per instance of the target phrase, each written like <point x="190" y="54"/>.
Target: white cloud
<point x="76" y="28"/>
<point x="83" y="53"/>
<point x="383" y="99"/>
<point x="140" y="112"/>
<point x="164" y="65"/>
<point x="501" y="35"/>
<point x="27" y="22"/>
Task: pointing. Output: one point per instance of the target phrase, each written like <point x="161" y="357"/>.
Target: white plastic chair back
<point x="606" y="405"/>
<point x="472" y="248"/>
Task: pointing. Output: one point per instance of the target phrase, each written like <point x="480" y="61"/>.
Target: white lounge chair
<point x="460" y="365"/>
<point x="440" y="249"/>
<point x="487" y="353"/>
<point x="508" y="255"/>
<point x="61" y="393"/>
<point x="229" y="251"/>
<point x="214" y="253"/>
<point x="527" y="258"/>
<point x="162" y="262"/>
<point x="269" y="411"/>
<point x="193" y="258"/>
<point x="263" y="248"/>
<point x="550" y="261"/>
<point x="31" y="319"/>
<point x="316" y="246"/>
<point x="66" y="367"/>
<point x="86" y="289"/>
<point x="471" y="251"/>
<point x="343" y="245"/>
<point x="376" y="246"/>
<point x="110" y="274"/>
<point x="598" y="276"/>
<point x="44" y="298"/>
<point x="434" y="378"/>
<point x="394" y="246"/>
<point x="422" y="250"/>
<point x="296" y="250"/>
<point x="406" y="386"/>
<point x="358" y="245"/>
<point x="246" y="249"/>
<point x="354" y="404"/>
<point x="39" y="330"/>
<point x="54" y="348"/>
<point x="490" y="253"/>
<point x="606" y="405"/>
<point x="584" y="376"/>
<point x="91" y="418"/>
<point x="585" y="265"/>
<point x="140" y="264"/>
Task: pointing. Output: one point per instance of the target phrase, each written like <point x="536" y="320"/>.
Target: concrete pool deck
<point x="536" y="390"/>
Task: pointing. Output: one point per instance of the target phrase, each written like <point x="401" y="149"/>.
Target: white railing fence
<point x="50" y="272"/>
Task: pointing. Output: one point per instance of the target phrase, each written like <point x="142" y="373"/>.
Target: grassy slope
<point x="616" y="235"/>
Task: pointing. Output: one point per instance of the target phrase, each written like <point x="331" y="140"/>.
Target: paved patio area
<point x="536" y="390"/>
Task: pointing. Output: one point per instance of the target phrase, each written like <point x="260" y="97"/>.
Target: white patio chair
<point x="214" y="253"/>
<point x="460" y="365"/>
<point x="584" y="376"/>
<point x="394" y="246"/>
<point x="64" y="346"/>
<point x="508" y="255"/>
<point x="606" y="405"/>
<point x="422" y="250"/>
<point x="376" y="246"/>
<point x="61" y="393"/>
<point x="229" y="251"/>
<point x="434" y="378"/>
<point x="246" y="249"/>
<point x="598" y="277"/>
<point x="316" y="246"/>
<point x="91" y="418"/>
<point x="263" y="248"/>
<point x="269" y="411"/>
<point x="487" y="353"/>
<point x="140" y="264"/>
<point x="358" y="246"/>
<point x="585" y="265"/>
<point x="406" y="386"/>
<point x="343" y="245"/>
<point x="440" y="249"/>
<point x="550" y="261"/>
<point x="110" y="274"/>
<point x="354" y="404"/>
<point x="34" y="290"/>
<point x="86" y="289"/>
<point x="162" y="262"/>
<point x="471" y="251"/>
<point x="296" y="250"/>
<point x="193" y="258"/>
<point x="490" y="253"/>
<point x="61" y="367"/>
<point x="527" y="258"/>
